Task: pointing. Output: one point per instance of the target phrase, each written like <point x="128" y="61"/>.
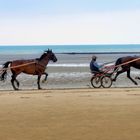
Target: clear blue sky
<point x="69" y="21"/>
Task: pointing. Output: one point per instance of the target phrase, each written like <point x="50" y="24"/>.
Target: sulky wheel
<point x="106" y="82"/>
<point x="96" y="81"/>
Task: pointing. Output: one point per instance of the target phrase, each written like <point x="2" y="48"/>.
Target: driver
<point x="94" y="66"/>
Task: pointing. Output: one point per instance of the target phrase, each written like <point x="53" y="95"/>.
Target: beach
<point x="51" y="87"/>
<point x="68" y="107"/>
<point x="70" y="114"/>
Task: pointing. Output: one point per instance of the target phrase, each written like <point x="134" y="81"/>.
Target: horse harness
<point x="37" y="63"/>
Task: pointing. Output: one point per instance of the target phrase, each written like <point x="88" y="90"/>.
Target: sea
<point x="70" y="55"/>
<point x="34" y="49"/>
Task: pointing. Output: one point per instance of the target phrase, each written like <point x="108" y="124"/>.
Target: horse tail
<point x="4" y="71"/>
<point x="118" y="62"/>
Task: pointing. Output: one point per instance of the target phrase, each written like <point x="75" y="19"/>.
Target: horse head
<point x="50" y="55"/>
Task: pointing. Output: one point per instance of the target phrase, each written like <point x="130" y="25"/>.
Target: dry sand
<point x="70" y="114"/>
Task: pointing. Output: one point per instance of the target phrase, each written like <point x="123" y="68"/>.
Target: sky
<point x="43" y="22"/>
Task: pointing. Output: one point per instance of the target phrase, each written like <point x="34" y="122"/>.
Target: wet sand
<point x="66" y="72"/>
<point x="70" y="114"/>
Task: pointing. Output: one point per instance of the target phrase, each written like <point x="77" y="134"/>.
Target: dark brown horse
<point x="126" y="63"/>
<point x="32" y="66"/>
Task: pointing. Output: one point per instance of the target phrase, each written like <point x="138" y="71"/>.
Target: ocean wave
<point x="81" y="74"/>
<point x="77" y="64"/>
<point x="69" y="65"/>
<point x="65" y="65"/>
<point x="70" y="75"/>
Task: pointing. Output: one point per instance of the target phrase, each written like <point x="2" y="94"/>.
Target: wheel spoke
<point x="96" y="82"/>
<point x="106" y="82"/>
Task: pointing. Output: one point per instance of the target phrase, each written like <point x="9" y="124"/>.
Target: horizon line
<point x="68" y="44"/>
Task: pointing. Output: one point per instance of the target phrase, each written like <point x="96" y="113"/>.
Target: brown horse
<point x="126" y="63"/>
<point x="32" y="66"/>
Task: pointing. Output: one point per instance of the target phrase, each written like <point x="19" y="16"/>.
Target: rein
<point x="22" y="65"/>
<point x="117" y="66"/>
<point x="26" y="64"/>
<point x="127" y="62"/>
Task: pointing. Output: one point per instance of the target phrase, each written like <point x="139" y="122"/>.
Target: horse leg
<point x="117" y="74"/>
<point x="12" y="81"/>
<point x="45" y="79"/>
<point x="128" y="75"/>
<point x="17" y="82"/>
<point x="38" y="81"/>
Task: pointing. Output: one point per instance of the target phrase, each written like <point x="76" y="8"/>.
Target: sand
<point x="70" y="114"/>
<point x="69" y="108"/>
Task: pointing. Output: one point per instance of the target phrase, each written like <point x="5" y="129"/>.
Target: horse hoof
<point x="136" y="83"/>
<point x="113" y="80"/>
<point x="137" y="77"/>
<point x="16" y="89"/>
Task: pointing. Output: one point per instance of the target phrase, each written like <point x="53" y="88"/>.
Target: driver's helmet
<point x="94" y="57"/>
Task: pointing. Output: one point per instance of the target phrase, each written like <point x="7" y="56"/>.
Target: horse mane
<point x="42" y="56"/>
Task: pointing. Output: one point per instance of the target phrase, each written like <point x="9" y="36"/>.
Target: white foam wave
<point x="69" y="65"/>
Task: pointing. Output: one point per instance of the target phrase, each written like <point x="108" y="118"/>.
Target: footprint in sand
<point x="24" y="97"/>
